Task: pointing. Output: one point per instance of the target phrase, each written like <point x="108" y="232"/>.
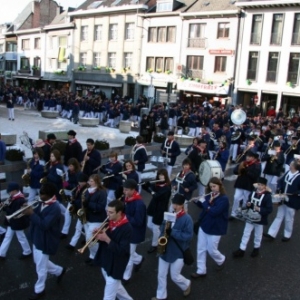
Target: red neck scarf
<point x="17" y="196"/>
<point x="53" y="163"/>
<point x="134" y="197"/>
<point x="180" y="214"/>
<point x="259" y="194"/>
<point x="247" y="164"/>
<point x="50" y="201"/>
<point x="72" y="141"/>
<point x="114" y="224"/>
<point x="182" y="174"/>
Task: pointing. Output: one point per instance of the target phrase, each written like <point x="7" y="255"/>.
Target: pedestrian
<point x="211" y="225"/>
<point x="114" y="250"/>
<point x="44" y="233"/>
<point x="10" y="107"/>
<point x="259" y="203"/>
<point x="73" y="148"/>
<point x="179" y="235"/>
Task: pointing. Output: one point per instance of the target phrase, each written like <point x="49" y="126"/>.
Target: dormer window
<point x="164" y="5"/>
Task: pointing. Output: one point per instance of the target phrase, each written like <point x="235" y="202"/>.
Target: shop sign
<point x="198" y="87"/>
<point x="221" y="51"/>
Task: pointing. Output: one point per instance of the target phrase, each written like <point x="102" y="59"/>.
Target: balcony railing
<point x="296" y="38"/>
<point x="196" y="43"/>
<point x="293" y="77"/>
<point x="195" y="73"/>
<point x="251" y="74"/>
<point x="255" y="39"/>
<point x="276" y="39"/>
<point x="271" y="76"/>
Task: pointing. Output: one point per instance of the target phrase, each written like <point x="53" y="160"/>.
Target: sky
<point x="10" y="10"/>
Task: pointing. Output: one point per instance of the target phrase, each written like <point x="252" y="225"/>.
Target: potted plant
<point x="130" y="141"/>
<point x="59" y="72"/>
<point x="96" y="68"/>
<point x="197" y="79"/>
<point x="81" y="68"/>
<point x="101" y="145"/>
<point x="158" y="70"/>
<point x="290" y="84"/>
<point x="248" y="81"/>
<point x="150" y="70"/>
<point x="210" y="82"/>
<point x="168" y="72"/>
<point x="14" y="155"/>
<point x="159" y="138"/>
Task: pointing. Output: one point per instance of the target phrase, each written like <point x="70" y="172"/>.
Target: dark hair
<point x="186" y="161"/>
<point x="139" y="139"/>
<point x="74" y="162"/>
<point x="48" y="189"/>
<point x="113" y="154"/>
<point x="215" y="180"/>
<point x="90" y="141"/>
<point x="165" y="173"/>
<point x="130" y="162"/>
<point x="118" y="205"/>
<point x="39" y="152"/>
<point x="56" y="154"/>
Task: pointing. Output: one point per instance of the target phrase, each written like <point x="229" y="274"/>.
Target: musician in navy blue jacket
<point x="135" y="210"/>
<point x="44" y="233"/>
<point x="91" y="158"/>
<point x="170" y="150"/>
<point x="114" y="251"/>
<point x="213" y="222"/>
<point x="94" y="201"/>
<point x="15" y="226"/>
<point x="179" y="234"/>
<point x="222" y="155"/>
<point x="112" y="179"/>
<point x="260" y="201"/>
<point x="288" y="184"/>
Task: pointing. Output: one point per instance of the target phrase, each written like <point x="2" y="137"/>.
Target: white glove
<point x="202" y="199"/>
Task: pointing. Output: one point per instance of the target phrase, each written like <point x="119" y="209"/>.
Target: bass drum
<point x="209" y="169"/>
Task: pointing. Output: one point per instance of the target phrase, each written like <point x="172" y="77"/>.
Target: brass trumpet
<point x="19" y="213"/>
<point x="93" y="241"/>
<point x="5" y="203"/>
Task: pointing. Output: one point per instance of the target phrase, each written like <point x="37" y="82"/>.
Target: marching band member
<point x="236" y="138"/>
<point x="15" y="226"/>
<point x="191" y="147"/>
<point x="73" y="148"/>
<point x="91" y="158"/>
<point x="73" y="175"/>
<point x="185" y="182"/>
<point x="130" y="171"/>
<point x="249" y="147"/>
<point x="248" y="171"/>
<point x="114" y="250"/>
<point x="170" y="150"/>
<point x="274" y="165"/>
<point x="161" y="192"/>
<point x="139" y="156"/>
<point x="36" y="171"/>
<point x="48" y="144"/>
<point x="135" y="210"/>
<point x="290" y="150"/>
<point x="222" y="155"/>
<point x="213" y="222"/>
<point x="179" y="236"/>
<point x="75" y="206"/>
<point x="94" y="202"/>
<point x="44" y="232"/>
<point x="112" y="183"/>
<point x="53" y="177"/>
<point x="259" y="201"/>
<point x="289" y="185"/>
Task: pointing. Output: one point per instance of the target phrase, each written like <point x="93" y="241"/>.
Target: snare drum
<point x="278" y="198"/>
<point x="154" y="158"/>
<point x="209" y="169"/>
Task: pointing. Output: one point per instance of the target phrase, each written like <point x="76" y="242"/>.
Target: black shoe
<point x="63" y="236"/>
<point x="238" y="253"/>
<point x="13" y="119"/>
<point x="285" y="239"/>
<point x="70" y="247"/>
<point x="89" y="261"/>
<point x="22" y="257"/>
<point x="9" y="119"/>
<point x="2" y="258"/>
<point x="255" y="252"/>
<point x="59" y="278"/>
<point x="152" y="249"/>
<point x="125" y="281"/>
<point x="268" y="236"/>
<point x="196" y="275"/>
<point x="221" y="267"/>
<point x="231" y="218"/>
<point x="35" y="295"/>
<point x="137" y="267"/>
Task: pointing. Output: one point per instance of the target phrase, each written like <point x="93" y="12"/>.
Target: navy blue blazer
<point x="141" y="156"/>
<point x="36" y="174"/>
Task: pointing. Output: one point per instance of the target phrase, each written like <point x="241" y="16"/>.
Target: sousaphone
<point x="238" y="117"/>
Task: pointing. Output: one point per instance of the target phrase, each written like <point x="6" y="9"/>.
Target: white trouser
<point x="233" y="151"/>
<point x="192" y="132"/>
<point x="43" y="266"/>
<point x="64" y="113"/>
<point x="109" y="122"/>
<point x="114" y="289"/>
<point x="45" y="107"/>
<point x="67" y="222"/>
<point x="201" y="189"/>
<point x="169" y="170"/>
<point x="62" y="208"/>
<point x="89" y="228"/>
<point x="134" y="259"/>
<point x="198" y="131"/>
<point x="272" y="182"/>
<point x="21" y="238"/>
<point x="20" y="100"/>
<point x="101" y="114"/>
<point x="258" y="232"/>
<point x="263" y="165"/>
<point x="286" y="213"/>
<point x="32" y="194"/>
<point x="155" y="230"/>
<point x="58" y="107"/>
<point x="11" y="113"/>
<point x="140" y="179"/>
<point x="2" y="230"/>
<point x="239" y="195"/>
<point x="110" y="196"/>
<point x="52" y="108"/>
<point x="177" y="278"/>
<point x="77" y="234"/>
<point x="207" y="243"/>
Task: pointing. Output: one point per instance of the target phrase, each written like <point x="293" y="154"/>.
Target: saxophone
<point x="81" y="213"/>
<point x="26" y="176"/>
<point x="163" y="240"/>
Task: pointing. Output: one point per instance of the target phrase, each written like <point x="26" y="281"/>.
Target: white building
<point x="269" y="54"/>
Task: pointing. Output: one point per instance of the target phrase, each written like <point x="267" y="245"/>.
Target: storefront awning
<point x="98" y="83"/>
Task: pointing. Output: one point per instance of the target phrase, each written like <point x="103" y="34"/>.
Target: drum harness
<point x="135" y="148"/>
<point x="167" y="159"/>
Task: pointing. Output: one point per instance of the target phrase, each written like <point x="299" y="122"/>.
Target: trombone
<point x="93" y="241"/>
<point x="20" y="213"/>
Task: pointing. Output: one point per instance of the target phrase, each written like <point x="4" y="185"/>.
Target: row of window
<point x="276" y="30"/>
<point x="112" y="35"/>
<point x="273" y="65"/>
